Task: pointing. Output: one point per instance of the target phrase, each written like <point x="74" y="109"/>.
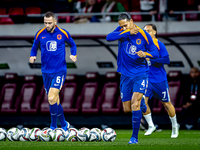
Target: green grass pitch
<point x="188" y="139"/>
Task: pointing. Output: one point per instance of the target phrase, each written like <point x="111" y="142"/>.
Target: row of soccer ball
<point x="58" y="134"/>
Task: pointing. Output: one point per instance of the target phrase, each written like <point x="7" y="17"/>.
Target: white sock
<point x="149" y="120"/>
<point x="174" y="121"/>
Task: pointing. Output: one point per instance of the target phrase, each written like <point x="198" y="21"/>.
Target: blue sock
<point x="54" y="115"/>
<point x="143" y="106"/>
<point x="61" y="116"/>
<point x="136" y="118"/>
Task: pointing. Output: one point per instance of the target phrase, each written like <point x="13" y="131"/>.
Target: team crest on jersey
<point x="138" y="41"/>
<point x="51" y="45"/>
<point x="59" y="36"/>
<point x="131" y="49"/>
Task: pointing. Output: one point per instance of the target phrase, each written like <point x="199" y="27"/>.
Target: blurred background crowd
<point x="160" y="10"/>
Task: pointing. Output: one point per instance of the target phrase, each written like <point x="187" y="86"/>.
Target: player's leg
<point x="126" y="93"/>
<point x="139" y="87"/>
<point x="57" y="83"/>
<point x="147" y="114"/>
<point x="53" y="99"/>
<point x="149" y="120"/>
<point x="143" y="106"/>
<point x="162" y="93"/>
<point x="47" y="79"/>
<point x="172" y="115"/>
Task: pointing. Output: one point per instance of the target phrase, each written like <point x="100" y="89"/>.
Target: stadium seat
<point x="109" y="97"/>
<point x="2" y="11"/>
<point x="86" y="100"/>
<point x="26" y="100"/>
<point x="33" y="10"/>
<point x="91" y="77"/>
<point x="8" y="98"/>
<point x="6" y="21"/>
<point x="71" y="78"/>
<point x="9" y="93"/>
<point x="68" y="98"/>
<point x="17" y="15"/>
<point x="112" y="76"/>
<point x="16" y="11"/>
<point x="174" y="89"/>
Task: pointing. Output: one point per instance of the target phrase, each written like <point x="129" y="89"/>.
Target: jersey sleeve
<point x="35" y="46"/>
<point x="164" y="56"/>
<point x="71" y="44"/>
<point x="152" y="50"/>
<point x="117" y="34"/>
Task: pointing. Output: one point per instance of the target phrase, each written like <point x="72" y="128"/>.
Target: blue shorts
<point x="159" y="91"/>
<point x="128" y="85"/>
<point x="54" y="80"/>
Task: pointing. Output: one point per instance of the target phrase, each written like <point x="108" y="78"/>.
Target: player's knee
<point x="52" y="100"/>
<point x="135" y="106"/>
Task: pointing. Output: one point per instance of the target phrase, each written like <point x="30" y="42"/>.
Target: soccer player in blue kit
<point x="52" y="41"/>
<point x="158" y="85"/>
<point x="134" y="45"/>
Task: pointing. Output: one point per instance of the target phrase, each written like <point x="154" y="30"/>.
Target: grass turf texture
<point x="188" y="139"/>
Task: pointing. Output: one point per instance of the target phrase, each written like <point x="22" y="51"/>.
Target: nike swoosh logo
<point x="43" y="37"/>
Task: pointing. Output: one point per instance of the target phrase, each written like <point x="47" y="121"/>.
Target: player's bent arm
<point x="72" y="44"/>
<point x="35" y="46"/>
<point x="163" y="60"/>
<point x="116" y="35"/>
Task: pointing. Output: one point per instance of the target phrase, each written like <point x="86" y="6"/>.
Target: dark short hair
<point x="153" y="27"/>
<point x="124" y="15"/>
<point x="49" y="14"/>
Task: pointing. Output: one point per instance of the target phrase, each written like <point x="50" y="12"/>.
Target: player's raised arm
<point x="117" y="34"/>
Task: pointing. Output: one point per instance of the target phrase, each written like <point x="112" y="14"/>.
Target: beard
<point x="50" y="29"/>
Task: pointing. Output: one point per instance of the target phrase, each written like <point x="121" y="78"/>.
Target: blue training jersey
<point x="157" y="71"/>
<point x="52" y="47"/>
<point x="128" y="62"/>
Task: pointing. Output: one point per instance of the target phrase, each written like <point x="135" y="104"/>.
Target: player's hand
<point x="32" y="59"/>
<point x="147" y="59"/>
<point x="73" y="58"/>
<point x="134" y="30"/>
<point x="141" y="54"/>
